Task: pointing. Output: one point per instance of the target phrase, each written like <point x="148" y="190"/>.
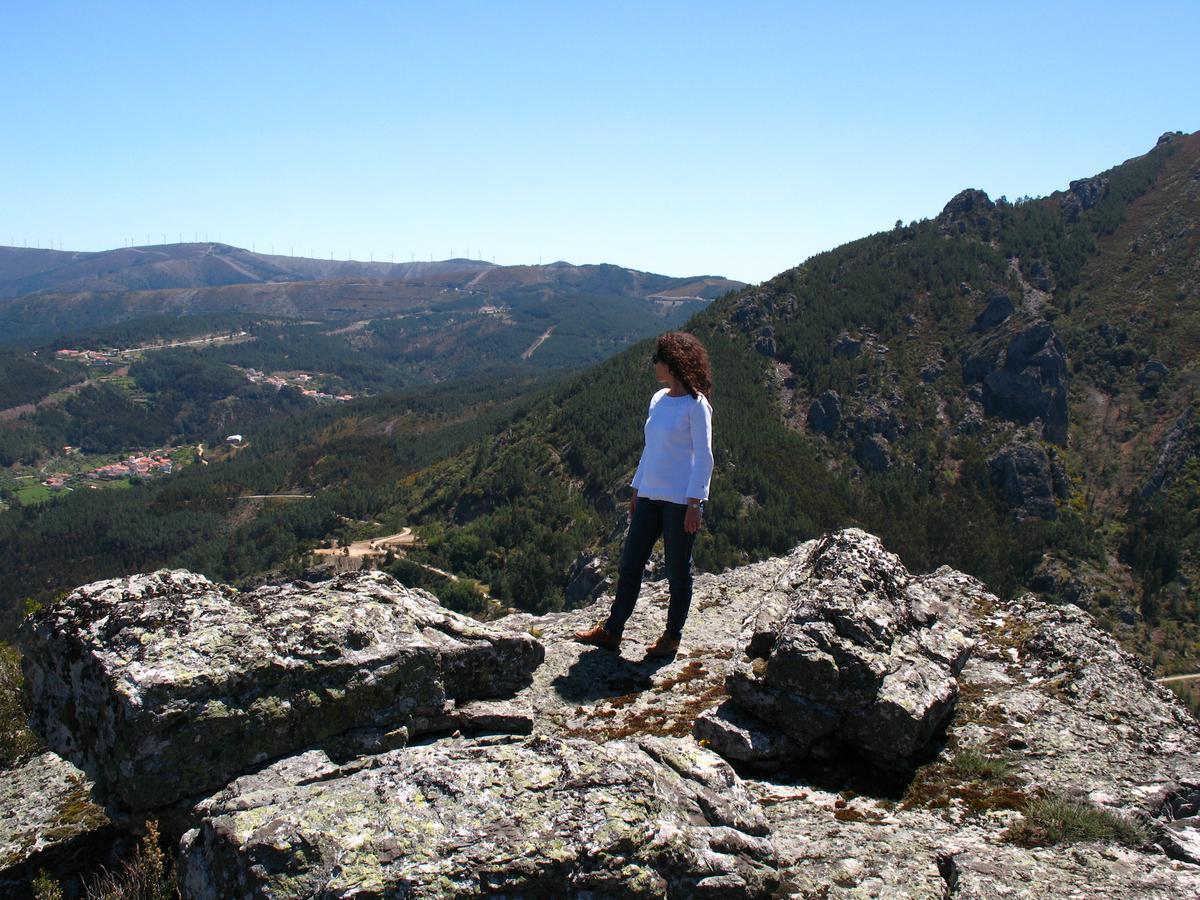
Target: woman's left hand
<point x="691" y="520"/>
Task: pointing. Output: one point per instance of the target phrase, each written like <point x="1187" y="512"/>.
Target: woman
<point x="669" y="490"/>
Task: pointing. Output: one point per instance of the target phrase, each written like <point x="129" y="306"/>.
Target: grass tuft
<point x="971" y="763"/>
<point x="1051" y="819"/>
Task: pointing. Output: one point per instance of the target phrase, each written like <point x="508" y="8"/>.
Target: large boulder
<point x="541" y="817"/>
<point x="166" y="685"/>
<point x="859" y="653"/>
<point x="873" y="453"/>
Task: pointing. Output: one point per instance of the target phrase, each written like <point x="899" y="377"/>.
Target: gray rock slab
<point x="541" y="816"/>
<point x="862" y="653"/>
<point x="166" y="685"/>
<point x="48" y="820"/>
<point x="831" y="845"/>
<point x="738" y="735"/>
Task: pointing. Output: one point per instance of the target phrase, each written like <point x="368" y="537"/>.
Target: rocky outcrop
<point x="1178" y="447"/>
<point x="1024" y="378"/>
<point x="611" y="795"/>
<point x="933" y="370"/>
<point x="1030" y="481"/>
<point x="873" y="452"/>
<point x="756" y="310"/>
<point x="1178" y="806"/>
<point x="847" y="346"/>
<point x="166" y="685"/>
<point x="878" y="416"/>
<point x="825" y="413"/>
<point x="1152" y="373"/>
<point x="860" y="653"/>
<point x="999" y="308"/>
<point x="586" y="580"/>
<point x="539" y="817"/>
<point x="968" y="212"/>
<point x="1083" y="195"/>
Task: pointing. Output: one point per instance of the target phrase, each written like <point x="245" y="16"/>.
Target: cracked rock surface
<point x="533" y="817"/>
<point x="855" y="650"/>
<point x="164" y="686"/>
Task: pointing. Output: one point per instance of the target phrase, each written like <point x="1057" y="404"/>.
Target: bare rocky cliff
<point x="833" y="726"/>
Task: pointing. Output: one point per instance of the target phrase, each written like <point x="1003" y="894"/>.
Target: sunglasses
<point x="655" y="358"/>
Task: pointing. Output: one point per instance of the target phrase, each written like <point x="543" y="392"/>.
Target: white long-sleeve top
<point x="677" y="462"/>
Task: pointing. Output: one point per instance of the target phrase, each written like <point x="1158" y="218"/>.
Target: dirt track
<point x="372" y="546"/>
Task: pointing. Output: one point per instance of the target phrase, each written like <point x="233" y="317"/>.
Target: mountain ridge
<point x="105" y="287"/>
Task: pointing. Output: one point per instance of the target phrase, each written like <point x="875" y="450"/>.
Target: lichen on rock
<point x="163" y="686"/>
<point x="534" y="817"/>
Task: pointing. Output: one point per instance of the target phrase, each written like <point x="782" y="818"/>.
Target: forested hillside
<point x="1007" y="388"/>
<point x="347" y="458"/>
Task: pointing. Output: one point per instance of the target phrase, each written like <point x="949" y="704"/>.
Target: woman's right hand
<point x="633" y="503"/>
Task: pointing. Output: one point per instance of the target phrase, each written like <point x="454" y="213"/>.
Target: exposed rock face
<point x="540" y="817"/>
<point x="825" y="414"/>
<point x="847" y="346"/>
<point x="1031" y="482"/>
<point x="968" y="211"/>
<point x="1084" y="194"/>
<point x="166" y="685"/>
<point x="738" y="735"/>
<point x="861" y="653"/>
<point x="764" y="343"/>
<point x="1153" y="372"/>
<point x="1024" y="380"/>
<point x="585" y="580"/>
<point x="1177" y="449"/>
<point x="755" y="311"/>
<point x="933" y="370"/>
<point x="873" y="452"/>
<point x="999" y="308"/>
<point x="878" y="416"/>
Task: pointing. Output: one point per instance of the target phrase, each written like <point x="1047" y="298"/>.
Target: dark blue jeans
<point x="652" y="518"/>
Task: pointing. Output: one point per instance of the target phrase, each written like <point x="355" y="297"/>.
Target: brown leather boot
<point x="599" y="636"/>
<point x="664" y="648"/>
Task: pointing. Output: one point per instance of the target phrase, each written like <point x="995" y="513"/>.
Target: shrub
<point x="46" y="888"/>
<point x="146" y="876"/>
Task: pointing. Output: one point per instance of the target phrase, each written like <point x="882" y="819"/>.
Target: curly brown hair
<point x="688" y="361"/>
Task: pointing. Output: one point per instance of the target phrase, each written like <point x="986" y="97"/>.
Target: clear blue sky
<point x="689" y="138"/>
